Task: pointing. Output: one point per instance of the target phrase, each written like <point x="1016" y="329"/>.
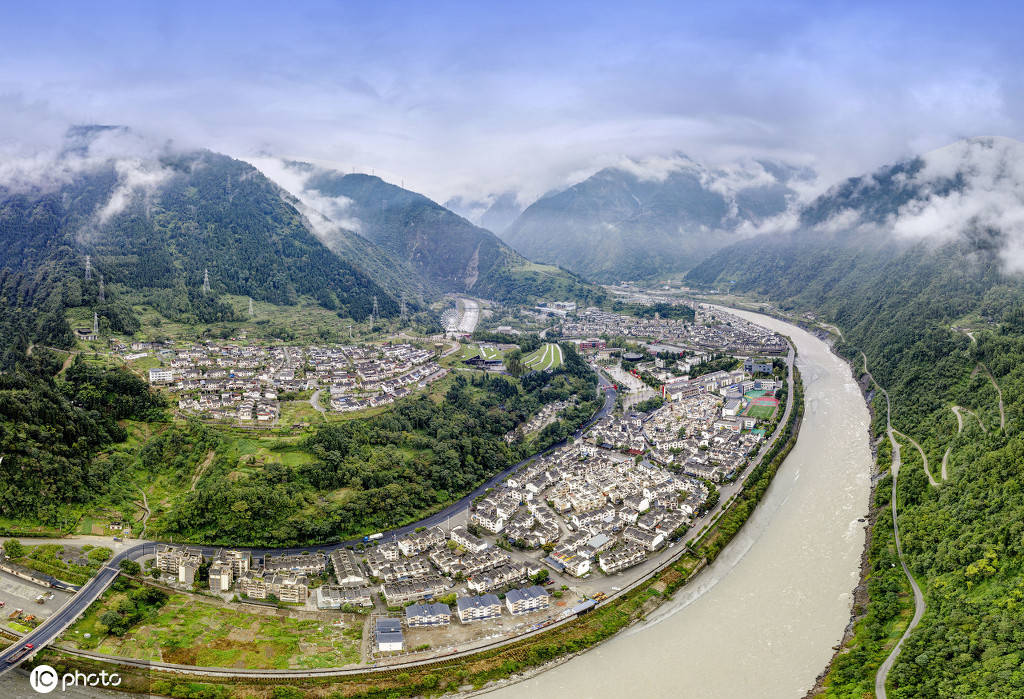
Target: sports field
<point x="762" y="408"/>
<point x="547" y="357"/>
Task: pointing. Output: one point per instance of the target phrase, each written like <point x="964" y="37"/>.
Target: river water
<point x="762" y="620"/>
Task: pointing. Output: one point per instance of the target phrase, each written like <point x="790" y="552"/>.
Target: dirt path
<point x="1002" y="410"/>
<point x="146" y="513"/>
<point x="919" y="604"/>
<point x="959" y="429"/>
<point x="67" y="362"/>
<point x="201" y="470"/>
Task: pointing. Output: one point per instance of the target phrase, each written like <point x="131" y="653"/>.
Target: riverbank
<point x="861" y="598"/>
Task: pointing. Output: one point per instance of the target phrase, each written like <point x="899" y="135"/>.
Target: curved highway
<point x="56" y="624"/>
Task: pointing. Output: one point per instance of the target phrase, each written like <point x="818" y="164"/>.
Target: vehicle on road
<point x="25" y="650"/>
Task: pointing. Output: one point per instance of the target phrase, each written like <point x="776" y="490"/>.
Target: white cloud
<point x="327" y="215"/>
<point x="971" y="188"/>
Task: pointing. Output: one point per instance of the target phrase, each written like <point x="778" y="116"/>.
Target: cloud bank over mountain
<point x="475" y="100"/>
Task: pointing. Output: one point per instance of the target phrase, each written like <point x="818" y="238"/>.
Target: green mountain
<point x="635" y="223"/>
<point x="154" y="226"/>
<point x="919" y="265"/>
<point x="446" y="252"/>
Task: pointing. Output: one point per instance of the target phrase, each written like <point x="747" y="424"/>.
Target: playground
<point x="761" y="407"/>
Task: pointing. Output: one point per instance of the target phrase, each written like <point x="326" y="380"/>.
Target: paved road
<point x="314" y="400"/>
<point x="927" y="471"/>
<point x="46" y="632"/>
<point x="919" y="604"/>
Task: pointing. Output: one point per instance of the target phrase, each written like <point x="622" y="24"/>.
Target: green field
<point x="547" y="357"/>
<point x="189" y="631"/>
<point x="761" y="412"/>
<point x="488" y="352"/>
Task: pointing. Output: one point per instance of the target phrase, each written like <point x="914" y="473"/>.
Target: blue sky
<point x="469" y="98"/>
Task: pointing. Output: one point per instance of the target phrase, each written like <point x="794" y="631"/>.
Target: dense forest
<point x="52" y="429"/>
<point x="940" y="328"/>
<point x="209" y="213"/>
<point x="371" y="473"/>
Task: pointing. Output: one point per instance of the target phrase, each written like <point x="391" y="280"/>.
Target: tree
<point x="514" y="363"/>
<point x="541" y="577"/>
<point x="130" y="567"/>
<point x="14" y="548"/>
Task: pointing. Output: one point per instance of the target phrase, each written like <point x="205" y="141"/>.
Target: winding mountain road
<point x="919" y="604"/>
<point x="924" y="458"/>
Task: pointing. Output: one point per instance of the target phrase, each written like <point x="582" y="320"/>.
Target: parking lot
<point x="21" y="594"/>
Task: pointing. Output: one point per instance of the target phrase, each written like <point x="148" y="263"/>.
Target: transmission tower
<point x="88" y="267"/>
<point x="376" y="312"/>
<point x="350" y="332"/>
<point x="206" y="280"/>
<point x="403" y="312"/>
<point x="95" y="324"/>
<point x="103" y="297"/>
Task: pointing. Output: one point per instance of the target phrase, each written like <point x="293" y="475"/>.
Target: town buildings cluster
<point x="711" y="329"/>
<point x="243" y="383"/>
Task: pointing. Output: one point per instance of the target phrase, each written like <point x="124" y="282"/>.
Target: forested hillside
<point x="51" y="430"/>
<point x="446" y="251"/>
<point x="940" y="323"/>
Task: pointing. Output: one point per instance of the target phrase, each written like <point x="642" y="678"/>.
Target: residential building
<point x="427" y="614"/>
<point x="347" y="570"/>
<point x="478" y="608"/>
<point x="527" y="599"/>
<point x="337" y="596"/>
<point x="239" y="562"/>
<point x="305" y="562"/>
<point x="650" y="540"/>
<point x="399" y="592"/>
<point x="220" y="577"/>
<point x="389" y="635"/>
<point x="417" y="542"/>
<point x="612" y="562"/>
<point x="473" y="544"/>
